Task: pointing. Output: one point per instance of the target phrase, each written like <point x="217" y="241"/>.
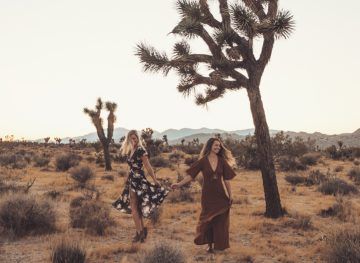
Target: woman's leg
<point x="135" y="211"/>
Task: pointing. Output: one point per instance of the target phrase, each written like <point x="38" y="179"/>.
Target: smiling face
<point x="134" y="140"/>
<point x="216" y="147"/>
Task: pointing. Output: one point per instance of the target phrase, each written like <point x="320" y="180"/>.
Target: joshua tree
<point x="165" y="139"/>
<point x="231" y="62"/>
<point x="182" y="141"/>
<point x="57" y="140"/>
<point x="146" y="135"/>
<point x="83" y="141"/>
<point x="98" y="122"/>
<point x="340" y="144"/>
<point x="46" y="140"/>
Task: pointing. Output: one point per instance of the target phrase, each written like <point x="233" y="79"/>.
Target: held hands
<point x="157" y="183"/>
<point x="175" y="186"/>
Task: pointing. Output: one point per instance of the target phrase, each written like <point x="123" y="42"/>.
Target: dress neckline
<point x="132" y="155"/>
<point x="217" y="164"/>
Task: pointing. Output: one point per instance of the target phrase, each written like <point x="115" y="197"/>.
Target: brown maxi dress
<point x="214" y="221"/>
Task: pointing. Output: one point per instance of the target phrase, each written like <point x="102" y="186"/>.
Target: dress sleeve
<point x="228" y="172"/>
<point x="195" y="168"/>
<point x="142" y="152"/>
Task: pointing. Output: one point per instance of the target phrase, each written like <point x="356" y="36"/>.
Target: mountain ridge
<point x="176" y="135"/>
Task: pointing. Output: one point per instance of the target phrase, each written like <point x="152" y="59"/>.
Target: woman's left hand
<point x="157" y="183"/>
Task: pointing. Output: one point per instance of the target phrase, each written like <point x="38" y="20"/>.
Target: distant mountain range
<point x="175" y="136"/>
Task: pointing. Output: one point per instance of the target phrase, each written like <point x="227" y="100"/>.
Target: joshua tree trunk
<point x="107" y="157"/>
<point x="262" y="134"/>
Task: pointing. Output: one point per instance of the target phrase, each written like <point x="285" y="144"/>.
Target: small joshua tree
<point x="57" y="140"/>
<point x="232" y="63"/>
<point x="165" y="139"/>
<point x="46" y="140"/>
<point x="98" y="123"/>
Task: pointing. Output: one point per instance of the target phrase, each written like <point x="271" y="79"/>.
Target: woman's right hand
<point x="175" y="186"/>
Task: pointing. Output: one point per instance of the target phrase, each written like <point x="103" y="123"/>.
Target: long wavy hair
<point x="126" y="146"/>
<point x="224" y="152"/>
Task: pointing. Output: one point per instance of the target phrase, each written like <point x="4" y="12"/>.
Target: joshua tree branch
<point x="209" y="18"/>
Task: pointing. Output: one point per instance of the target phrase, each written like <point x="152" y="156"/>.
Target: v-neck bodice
<point x="135" y="161"/>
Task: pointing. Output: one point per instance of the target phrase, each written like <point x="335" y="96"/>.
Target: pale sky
<point x="57" y="57"/>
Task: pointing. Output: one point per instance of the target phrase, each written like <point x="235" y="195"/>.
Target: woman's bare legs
<point x="135" y="212"/>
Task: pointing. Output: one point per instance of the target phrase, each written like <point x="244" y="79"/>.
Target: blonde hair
<point x="224" y="152"/>
<point x="126" y="146"/>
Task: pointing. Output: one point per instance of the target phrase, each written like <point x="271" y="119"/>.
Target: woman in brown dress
<point x="215" y="163"/>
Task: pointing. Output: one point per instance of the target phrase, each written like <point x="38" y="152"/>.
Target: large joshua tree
<point x="98" y="123"/>
<point x="231" y="63"/>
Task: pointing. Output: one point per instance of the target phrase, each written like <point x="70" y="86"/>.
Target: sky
<point x="57" y="57"/>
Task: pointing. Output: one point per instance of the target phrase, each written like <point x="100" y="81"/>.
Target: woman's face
<point x="215" y="148"/>
<point x="134" y="140"/>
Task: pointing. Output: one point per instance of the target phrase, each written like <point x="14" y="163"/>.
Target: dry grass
<point x="298" y="237"/>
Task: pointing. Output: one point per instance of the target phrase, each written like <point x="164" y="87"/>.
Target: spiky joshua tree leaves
<point x="231" y="63"/>
<point x="98" y="123"/>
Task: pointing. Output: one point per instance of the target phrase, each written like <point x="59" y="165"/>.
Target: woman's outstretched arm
<point x="184" y="181"/>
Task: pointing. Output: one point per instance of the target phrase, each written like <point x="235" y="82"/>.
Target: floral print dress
<point x="150" y="196"/>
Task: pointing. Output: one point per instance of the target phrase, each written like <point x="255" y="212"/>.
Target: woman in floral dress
<point x="139" y="196"/>
<point x="215" y="163"/>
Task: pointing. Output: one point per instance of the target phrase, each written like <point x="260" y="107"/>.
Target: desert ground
<point x="300" y="236"/>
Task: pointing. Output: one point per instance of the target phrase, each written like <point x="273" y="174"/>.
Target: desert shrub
<point x="53" y="194"/>
<point x="316" y="177"/>
<point x="155" y="215"/>
<point x="190" y="148"/>
<point x="295" y="179"/>
<point x="190" y="160"/>
<point x="6" y="187"/>
<point x="343" y="210"/>
<point x="246" y="152"/>
<point x="354" y="174"/>
<point x="122" y="173"/>
<point x="356" y="162"/>
<point x="159" y="161"/>
<point x="68" y="252"/>
<point x="283" y="145"/>
<point x="14" y="161"/>
<point x="41" y="161"/>
<point x="343" y="153"/>
<point x="119" y="158"/>
<point x="334" y="186"/>
<point x="22" y="215"/>
<point x="300" y="222"/>
<point x="65" y="161"/>
<point x="164" y="253"/>
<point x="90" y="159"/>
<point x="309" y="158"/>
<point x="288" y="163"/>
<point x="175" y="157"/>
<point x="108" y="177"/>
<point x="343" y="245"/>
<point x="77" y="201"/>
<point x="338" y="168"/>
<point x="81" y="174"/>
<point x="181" y="195"/>
<point x="91" y="215"/>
